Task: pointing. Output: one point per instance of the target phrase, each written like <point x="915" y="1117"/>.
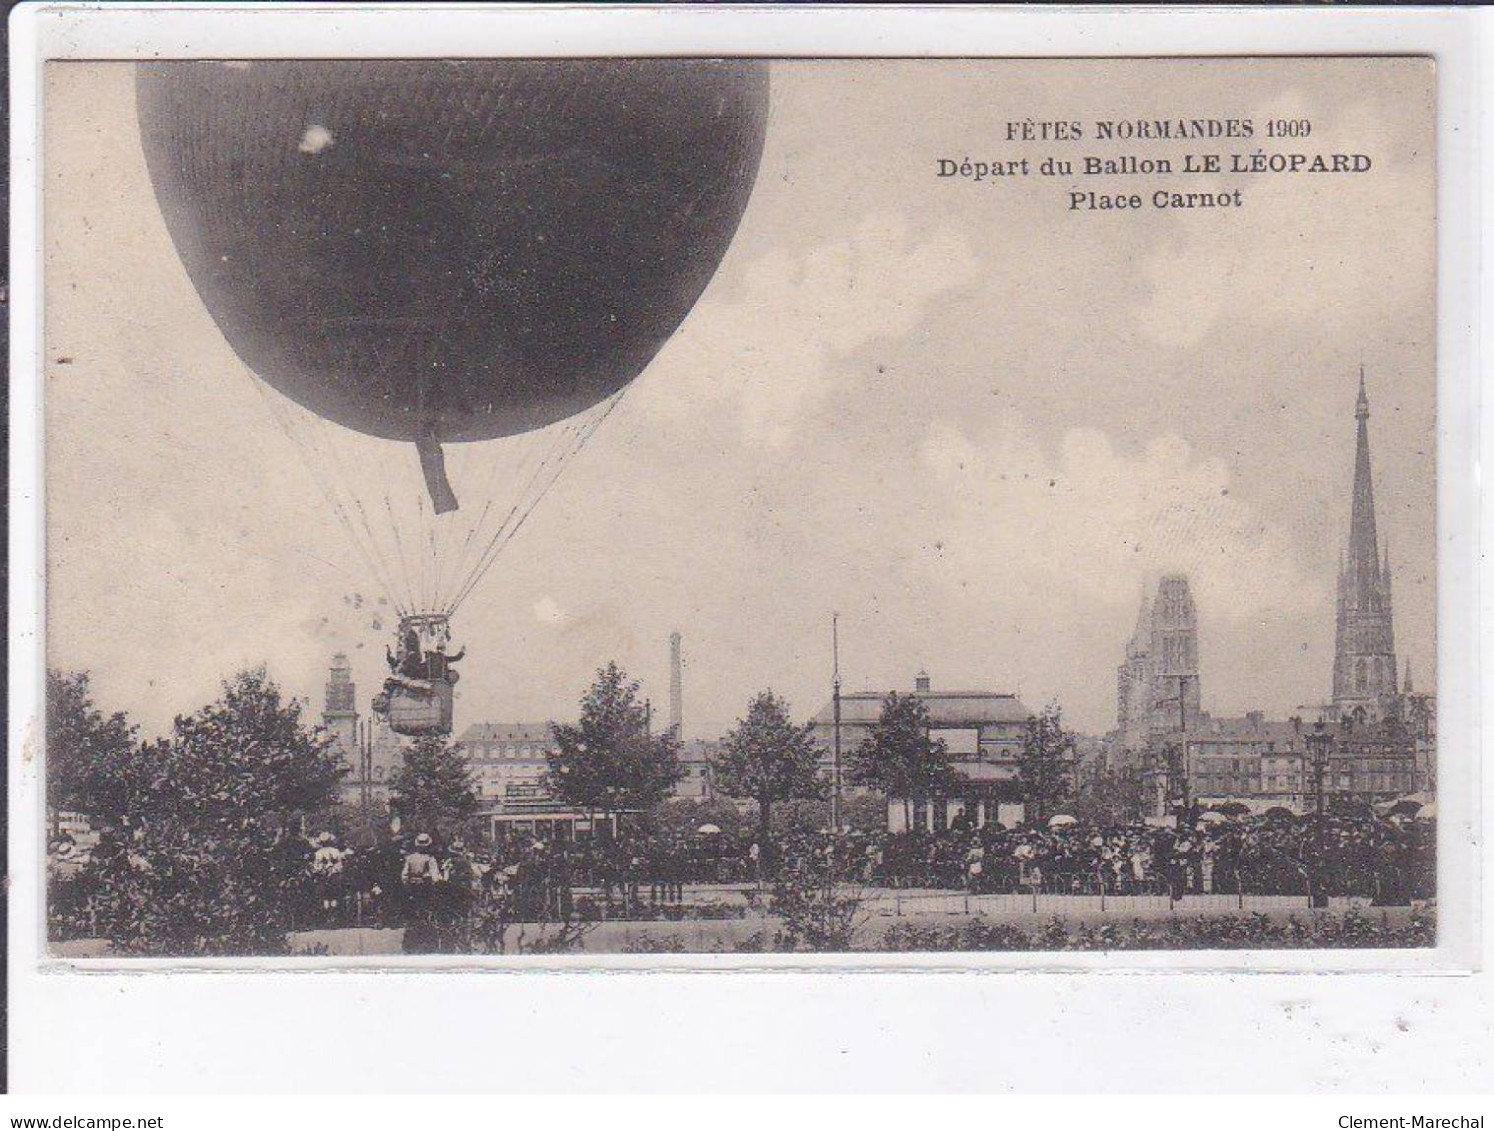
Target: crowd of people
<point x="1390" y="861"/>
<point x="1387" y="860"/>
<point x="428" y="885"/>
<point x="421" y="880"/>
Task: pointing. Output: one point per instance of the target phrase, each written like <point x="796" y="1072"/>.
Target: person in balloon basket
<point x="407" y="661"/>
<point x="438" y="663"/>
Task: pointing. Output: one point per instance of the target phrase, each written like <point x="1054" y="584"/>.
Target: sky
<point x="971" y="422"/>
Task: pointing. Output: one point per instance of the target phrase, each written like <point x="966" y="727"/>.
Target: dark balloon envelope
<point x="451" y="250"/>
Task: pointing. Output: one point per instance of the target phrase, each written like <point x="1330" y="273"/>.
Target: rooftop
<point x="505" y="732"/>
<point x="1247" y="728"/>
<point x="946" y="708"/>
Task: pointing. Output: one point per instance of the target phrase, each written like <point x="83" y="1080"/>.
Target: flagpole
<point x="835" y="698"/>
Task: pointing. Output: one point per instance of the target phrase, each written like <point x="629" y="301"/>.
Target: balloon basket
<point x="416" y="710"/>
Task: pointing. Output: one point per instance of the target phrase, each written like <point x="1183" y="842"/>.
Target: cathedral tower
<point x="1364" y="669"/>
<point x="1174" y="655"/>
<point x="1133" y="691"/>
<point x="1157" y="687"/>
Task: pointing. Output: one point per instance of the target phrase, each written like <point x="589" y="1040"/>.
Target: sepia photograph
<point x="696" y="506"/>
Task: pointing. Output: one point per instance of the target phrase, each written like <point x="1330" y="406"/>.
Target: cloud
<point x="1279" y="261"/>
<point x="797" y="316"/>
<point x="1085" y="522"/>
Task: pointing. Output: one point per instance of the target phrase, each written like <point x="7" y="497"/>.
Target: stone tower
<point x="1133" y="694"/>
<point x="1157" y="685"/>
<point x="340" y="715"/>
<point x="1364" y="668"/>
<point x="1173" y="655"/>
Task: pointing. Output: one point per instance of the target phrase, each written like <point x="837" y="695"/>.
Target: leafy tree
<point x="767" y="758"/>
<point x="1110" y="796"/>
<point x="432" y="790"/>
<point x="681" y="817"/>
<point x="1045" y="766"/>
<point x="250" y="755"/>
<point x="864" y="813"/>
<point x="797" y="818"/>
<point x="900" y="758"/>
<point x="609" y="761"/>
<point x="206" y="855"/>
<point x="88" y="753"/>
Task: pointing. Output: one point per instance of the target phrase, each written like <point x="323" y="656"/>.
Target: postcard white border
<point x="409" y="987"/>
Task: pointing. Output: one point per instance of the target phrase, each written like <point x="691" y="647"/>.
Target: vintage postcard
<point x="749" y="507"/>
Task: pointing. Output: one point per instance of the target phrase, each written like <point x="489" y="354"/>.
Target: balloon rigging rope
<point x="416" y="580"/>
<point x="405" y="599"/>
<point x="401" y="606"/>
<point x="584" y="432"/>
<point x="398" y="541"/>
<point x="526" y="448"/>
<point x="519" y="499"/>
<point x="393" y="583"/>
<point x="304" y="441"/>
<point x="422" y="567"/>
<point x="342" y="476"/>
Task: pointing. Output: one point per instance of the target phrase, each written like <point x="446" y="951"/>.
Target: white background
<point x="1100" y="1030"/>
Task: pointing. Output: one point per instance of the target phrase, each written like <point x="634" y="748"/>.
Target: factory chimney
<point x="676" y="686"/>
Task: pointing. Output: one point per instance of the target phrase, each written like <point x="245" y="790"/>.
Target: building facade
<point x="1250" y="760"/>
<point x="510" y="764"/>
<point x="1269" y="764"/>
<point x="983" y="731"/>
<point x="695" y="759"/>
<point x="510" y="767"/>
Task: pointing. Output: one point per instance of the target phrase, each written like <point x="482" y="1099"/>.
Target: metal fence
<point x="1037" y="901"/>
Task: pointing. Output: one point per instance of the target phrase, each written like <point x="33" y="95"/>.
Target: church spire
<point x="1364" y="543"/>
<point x="1364" y="667"/>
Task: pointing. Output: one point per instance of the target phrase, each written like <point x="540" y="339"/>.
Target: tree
<point x="767" y="758"/>
<point x="250" y="755"/>
<point x="88" y="753"/>
<point x="1045" y="766"/>
<point x="432" y="790"/>
<point x="608" y="761"/>
<point x="680" y="818"/>
<point x="864" y="813"/>
<point x="1111" y="796"/>
<point x="900" y="758"/>
<point x="206" y="855"/>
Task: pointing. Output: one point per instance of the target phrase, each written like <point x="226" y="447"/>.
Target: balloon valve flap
<point x="433" y="466"/>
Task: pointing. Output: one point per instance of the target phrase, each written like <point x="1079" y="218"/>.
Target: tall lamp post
<point x="1319" y="743"/>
